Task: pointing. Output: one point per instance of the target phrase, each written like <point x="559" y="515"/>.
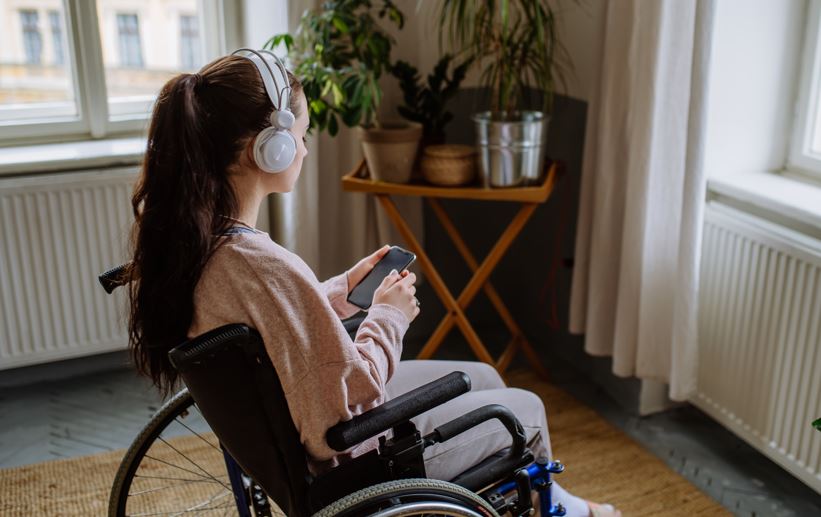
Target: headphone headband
<point x="258" y="58"/>
<point x="286" y="89"/>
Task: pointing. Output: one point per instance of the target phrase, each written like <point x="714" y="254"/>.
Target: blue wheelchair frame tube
<point x="540" y="481"/>
<point x="237" y="486"/>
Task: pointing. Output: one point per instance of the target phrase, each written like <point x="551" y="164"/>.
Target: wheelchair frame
<point x="505" y="480"/>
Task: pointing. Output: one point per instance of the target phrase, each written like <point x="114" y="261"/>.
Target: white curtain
<point x="634" y="290"/>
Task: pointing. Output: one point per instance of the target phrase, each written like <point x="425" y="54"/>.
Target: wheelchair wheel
<point x="175" y="466"/>
<point x="407" y="497"/>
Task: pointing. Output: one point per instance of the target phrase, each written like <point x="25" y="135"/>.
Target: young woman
<point x="199" y="263"/>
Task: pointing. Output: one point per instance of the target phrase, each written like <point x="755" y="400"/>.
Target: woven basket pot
<point x="449" y="165"/>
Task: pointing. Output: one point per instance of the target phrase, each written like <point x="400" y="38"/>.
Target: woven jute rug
<point x="603" y="464"/>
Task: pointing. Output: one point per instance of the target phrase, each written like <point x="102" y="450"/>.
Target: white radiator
<point x="57" y="233"/>
<point x="760" y="341"/>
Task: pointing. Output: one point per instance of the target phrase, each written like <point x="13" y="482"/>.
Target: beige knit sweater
<point x="327" y="378"/>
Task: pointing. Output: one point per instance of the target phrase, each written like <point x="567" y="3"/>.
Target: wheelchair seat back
<point x="231" y="378"/>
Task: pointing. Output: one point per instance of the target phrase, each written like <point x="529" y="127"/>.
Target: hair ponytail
<point x="199" y="126"/>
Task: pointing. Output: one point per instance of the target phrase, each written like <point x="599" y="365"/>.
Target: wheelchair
<point x="225" y="445"/>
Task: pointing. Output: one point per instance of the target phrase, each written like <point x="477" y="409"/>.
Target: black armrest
<point x="497" y="467"/>
<point x="470" y="420"/>
<point x="345" y="435"/>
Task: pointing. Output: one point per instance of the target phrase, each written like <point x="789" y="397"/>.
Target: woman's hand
<point x="357" y="273"/>
<point x="398" y="290"/>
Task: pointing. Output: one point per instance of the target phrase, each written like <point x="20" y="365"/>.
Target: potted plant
<point x="424" y="102"/>
<point x="514" y="43"/>
<point x="339" y="52"/>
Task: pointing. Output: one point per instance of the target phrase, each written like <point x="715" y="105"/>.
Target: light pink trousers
<point x="446" y="460"/>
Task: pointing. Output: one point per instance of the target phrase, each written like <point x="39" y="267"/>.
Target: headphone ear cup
<point x="274" y="150"/>
<point x="282" y="119"/>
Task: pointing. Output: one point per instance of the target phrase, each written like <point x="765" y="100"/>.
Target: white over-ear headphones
<point x="274" y="146"/>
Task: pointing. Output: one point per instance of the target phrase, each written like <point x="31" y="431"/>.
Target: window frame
<point x="83" y="55"/>
<point x="801" y="161"/>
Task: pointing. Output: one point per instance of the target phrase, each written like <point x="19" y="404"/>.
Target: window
<point x="189" y="42"/>
<point x="56" y="25"/>
<point x="32" y="42"/>
<point x="805" y="145"/>
<point x="92" y="68"/>
<point x="34" y="85"/>
<point x="144" y="49"/>
<point x="128" y="32"/>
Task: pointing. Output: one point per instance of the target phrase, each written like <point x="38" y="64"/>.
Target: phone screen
<point x="396" y="258"/>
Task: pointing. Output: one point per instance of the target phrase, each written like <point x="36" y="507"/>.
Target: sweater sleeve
<point x="338" y="378"/>
<point x="336" y="289"/>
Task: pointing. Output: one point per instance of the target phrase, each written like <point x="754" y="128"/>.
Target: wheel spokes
<point x="178" y="474"/>
<point x="182" y="472"/>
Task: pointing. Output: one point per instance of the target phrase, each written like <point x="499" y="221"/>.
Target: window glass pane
<point x="35" y="74"/>
<point x="129" y="44"/>
<point x="189" y="41"/>
<point x="815" y="145"/>
<point x="145" y="43"/>
<point x="32" y="42"/>
<point x="813" y="103"/>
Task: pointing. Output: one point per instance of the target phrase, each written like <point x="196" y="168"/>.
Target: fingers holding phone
<point x="357" y="273"/>
<point x="398" y="290"/>
<point x="395" y="260"/>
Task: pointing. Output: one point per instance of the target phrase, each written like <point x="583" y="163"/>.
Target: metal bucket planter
<point x="511" y="147"/>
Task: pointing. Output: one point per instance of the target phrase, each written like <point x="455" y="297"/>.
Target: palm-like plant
<point x="514" y="42"/>
<point x="425" y="101"/>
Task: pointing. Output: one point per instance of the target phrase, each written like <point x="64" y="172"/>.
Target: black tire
<point x="410" y="497"/>
<point x="154" y="450"/>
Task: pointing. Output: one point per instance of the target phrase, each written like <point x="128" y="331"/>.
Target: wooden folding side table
<point x="529" y="197"/>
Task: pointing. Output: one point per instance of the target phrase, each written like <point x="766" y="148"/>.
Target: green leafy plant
<point x="425" y="103"/>
<point x="817" y="424"/>
<point x="339" y="52"/>
<point x="514" y="43"/>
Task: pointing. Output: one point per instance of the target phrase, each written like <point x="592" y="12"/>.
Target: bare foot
<point x="602" y="510"/>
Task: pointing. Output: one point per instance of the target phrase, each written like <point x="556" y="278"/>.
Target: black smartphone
<point x="396" y="258"/>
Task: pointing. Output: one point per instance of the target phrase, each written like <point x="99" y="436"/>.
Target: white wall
<point x="261" y="19"/>
<point x="580" y="25"/>
<point x="581" y="29"/>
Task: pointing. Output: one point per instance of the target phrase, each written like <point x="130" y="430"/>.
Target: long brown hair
<point x="200" y="125"/>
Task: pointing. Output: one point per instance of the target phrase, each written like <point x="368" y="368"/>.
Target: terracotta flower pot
<point x="390" y="150"/>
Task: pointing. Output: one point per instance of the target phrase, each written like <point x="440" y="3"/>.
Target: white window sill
<point x="71" y="155"/>
<point x="789" y="199"/>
